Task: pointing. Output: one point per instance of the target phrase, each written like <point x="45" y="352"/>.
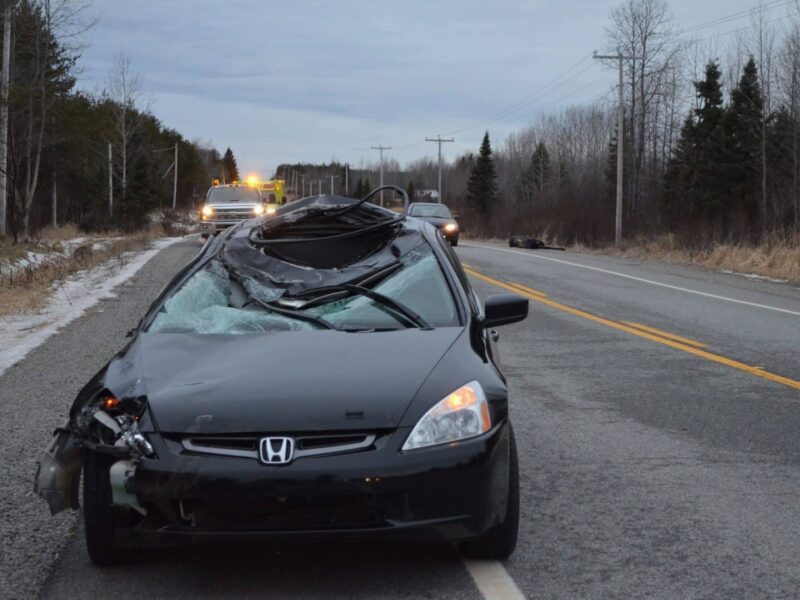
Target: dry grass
<point x="28" y="289"/>
<point x="61" y="233"/>
<point x="777" y="259"/>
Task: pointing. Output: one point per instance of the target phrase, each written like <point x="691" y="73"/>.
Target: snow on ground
<point x="48" y="252"/>
<point x="19" y="334"/>
<point x="754" y="276"/>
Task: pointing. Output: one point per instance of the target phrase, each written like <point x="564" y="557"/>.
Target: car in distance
<point x="439" y="216"/>
<point x="227" y="205"/>
<point x="328" y="371"/>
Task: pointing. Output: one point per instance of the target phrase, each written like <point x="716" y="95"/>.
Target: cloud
<point x="307" y="80"/>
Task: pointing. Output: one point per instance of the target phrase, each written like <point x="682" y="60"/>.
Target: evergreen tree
<point x="230" y="170"/>
<point x="694" y="183"/>
<point x="482" y="184"/>
<point x="142" y="193"/>
<point x="743" y="142"/>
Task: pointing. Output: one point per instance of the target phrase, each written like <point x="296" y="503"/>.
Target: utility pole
<point x="110" y="181"/>
<point x="346" y="179"/>
<point x="319" y="187"/>
<point x="4" y="79"/>
<point x="303" y="184"/>
<point x="381" y="149"/>
<point x="620" y="137"/>
<point x="439" y="140"/>
<point x="332" y="178"/>
<point x="175" y="179"/>
<point x="311" y="189"/>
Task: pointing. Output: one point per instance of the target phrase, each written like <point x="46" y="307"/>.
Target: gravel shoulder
<point x="35" y="395"/>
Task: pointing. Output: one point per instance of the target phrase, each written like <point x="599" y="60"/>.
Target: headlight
<point x="271" y="210"/>
<point x="258" y="209"/>
<point x="450" y="227"/>
<point x="207" y="212"/>
<point x="462" y="414"/>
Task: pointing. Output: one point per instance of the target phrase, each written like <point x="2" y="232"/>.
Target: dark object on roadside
<point x="326" y="371"/>
<point x="531" y="243"/>
<point x="439" y="216"/>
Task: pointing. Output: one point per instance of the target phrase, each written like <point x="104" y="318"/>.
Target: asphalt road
<point x="651" y="466"/>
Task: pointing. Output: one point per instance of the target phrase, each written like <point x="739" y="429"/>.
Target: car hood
<point x="436" y="221"/>
<point x="285" y="382"/>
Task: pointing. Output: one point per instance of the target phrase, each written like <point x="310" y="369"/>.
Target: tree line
<point x="60" y="137"/>
<point x="711" y="132"/>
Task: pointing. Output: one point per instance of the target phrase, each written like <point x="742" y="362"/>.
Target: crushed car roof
<point x="319" y="241"/>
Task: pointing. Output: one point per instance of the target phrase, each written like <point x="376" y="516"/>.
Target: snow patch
<point x="754" y="276"/>
<point x="19" y="334"/>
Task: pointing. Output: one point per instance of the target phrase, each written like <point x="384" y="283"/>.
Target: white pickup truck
<point x="228" y="204"/>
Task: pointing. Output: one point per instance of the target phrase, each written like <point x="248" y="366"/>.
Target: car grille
<point x="293" y="513"/>
<point x="306" y="445"/>
<point x="233" y="214"/>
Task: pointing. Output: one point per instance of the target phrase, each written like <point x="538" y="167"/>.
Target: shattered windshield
<point x="427" y="210"/>
<point x="215" y="301"/>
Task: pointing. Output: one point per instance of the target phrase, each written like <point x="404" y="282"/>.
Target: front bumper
<point x="445" y="493"/>
<point x="216" y="226"/>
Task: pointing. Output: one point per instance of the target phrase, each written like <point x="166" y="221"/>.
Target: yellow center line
<point x="529" y="290"/>
<point x="667" y="334"/>
<point x="735" y="364"/>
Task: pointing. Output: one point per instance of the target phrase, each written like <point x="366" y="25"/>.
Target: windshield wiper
<point x="286" y="312"/>
<point x="328" y="294"/>
<point x="295" y="314"/>
<point x="395" y="305"/>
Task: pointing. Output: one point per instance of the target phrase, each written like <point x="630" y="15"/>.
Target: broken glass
<point x="201" y="306"/>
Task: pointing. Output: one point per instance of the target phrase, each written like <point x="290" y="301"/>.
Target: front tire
<point x="98" y="512"/>
<point x="500" y="541"/>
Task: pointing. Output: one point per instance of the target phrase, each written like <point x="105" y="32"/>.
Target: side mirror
<point x="503" y="309"/>
<point x="455" y="217"/>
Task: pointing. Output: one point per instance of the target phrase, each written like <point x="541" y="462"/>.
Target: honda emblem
<point x="276" y="450"/>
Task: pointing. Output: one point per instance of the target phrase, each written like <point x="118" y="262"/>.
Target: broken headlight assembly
<point x="460" y="415"/>
<point x="112" y="425"/>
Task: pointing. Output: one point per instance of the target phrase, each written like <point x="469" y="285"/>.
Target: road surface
<point x="656" y="410"/>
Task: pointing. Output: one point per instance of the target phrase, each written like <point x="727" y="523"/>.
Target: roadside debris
<point x="531" y="243"/>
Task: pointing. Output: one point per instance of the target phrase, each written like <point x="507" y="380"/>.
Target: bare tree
<point x="124" y="89"/>
<point x="643" y="31"/>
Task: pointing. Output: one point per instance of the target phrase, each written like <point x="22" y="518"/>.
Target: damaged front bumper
<point x="454" y="492"/>
<point x="58" y="471"/>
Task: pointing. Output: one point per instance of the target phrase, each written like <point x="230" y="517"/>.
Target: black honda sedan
<point x="327" y="371"/>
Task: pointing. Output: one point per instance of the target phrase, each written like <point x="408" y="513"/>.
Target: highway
<point x="656" y="410"/>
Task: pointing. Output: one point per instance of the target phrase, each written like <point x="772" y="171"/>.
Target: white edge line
<point x="640" y="279"/>
<point x="492" y="580"/>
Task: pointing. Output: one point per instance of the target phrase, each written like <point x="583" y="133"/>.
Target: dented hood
<point x="285" y="382"/>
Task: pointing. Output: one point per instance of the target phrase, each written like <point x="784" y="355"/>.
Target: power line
<point x="735" y="16"/>
<point x="506" y="116"/>
<point x="529" y="98"/>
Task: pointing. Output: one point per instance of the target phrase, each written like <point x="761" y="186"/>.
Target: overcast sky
<point x="304" y="80"/>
